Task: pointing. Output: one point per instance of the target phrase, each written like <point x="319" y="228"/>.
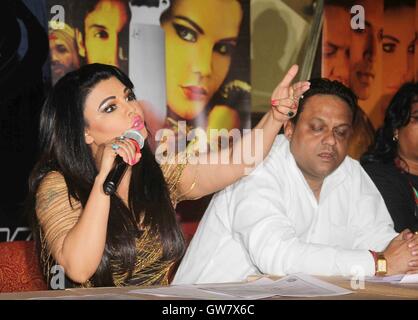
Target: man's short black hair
<point x="81" y="9"/>
<point x="328" y="87"/>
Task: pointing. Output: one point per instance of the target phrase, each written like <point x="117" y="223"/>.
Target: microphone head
<point x="135" y="135"/>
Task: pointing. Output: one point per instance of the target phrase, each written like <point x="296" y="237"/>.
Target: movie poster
<point x="189" y="60"/>
<point x="373" y="61"/>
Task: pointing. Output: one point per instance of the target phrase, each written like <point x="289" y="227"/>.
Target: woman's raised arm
<point x="207" y="173"/>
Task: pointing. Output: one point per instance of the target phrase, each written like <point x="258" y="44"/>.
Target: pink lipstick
<point x="195" y="93"/>
<point x="137" y="123"/>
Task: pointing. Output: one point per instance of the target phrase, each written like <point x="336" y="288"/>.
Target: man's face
<point x="336" y="47"/>
<point x="363" y="52"/>
<point x="61" y="56"/>
<point x="101" y="32"/>
<point x="319" y="140"/>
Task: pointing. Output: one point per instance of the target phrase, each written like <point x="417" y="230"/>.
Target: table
<point x="372" y="290"/>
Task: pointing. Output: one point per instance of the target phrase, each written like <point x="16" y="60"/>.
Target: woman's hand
<point x="107" y="152"/>
<point x="215" y="176"/>
<point x="285" y="98"/>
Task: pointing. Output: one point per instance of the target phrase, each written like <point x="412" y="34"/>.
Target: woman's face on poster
<point x="200" y="39"/>
<point x="101" y="32"/>
<point x="398" y="45"/>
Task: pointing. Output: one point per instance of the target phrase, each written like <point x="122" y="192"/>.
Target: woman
<point x="130" y="237"/>
<point x="392" y="162"/>
<point x="206" y="41"/>
<point x="397" y="40"/>
<point x="398" y="44"/>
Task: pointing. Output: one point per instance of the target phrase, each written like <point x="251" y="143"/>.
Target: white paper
<point x="410" y="278"/>
<point x="102" y="296"/>
<point x="183" y="291"/>
<point x="247" y="290"/>
<point x="399" y="278"/>
<point x="387" y="279"/>
<point x="297" y="285"/>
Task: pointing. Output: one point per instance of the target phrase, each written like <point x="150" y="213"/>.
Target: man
<point x="64" y="57"/>
<point x="308" y="208"/>
<point x="363" y="52"/>
<point x="336" y="42"/>
<point x="102" y="31"/>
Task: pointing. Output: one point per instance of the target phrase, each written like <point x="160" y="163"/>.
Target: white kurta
<point x="270" y="222"/>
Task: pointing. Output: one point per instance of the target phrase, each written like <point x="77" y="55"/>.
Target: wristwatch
<point x="381" y="265"/>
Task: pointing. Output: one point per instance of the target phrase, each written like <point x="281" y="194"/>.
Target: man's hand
<point x="402" y="254"/>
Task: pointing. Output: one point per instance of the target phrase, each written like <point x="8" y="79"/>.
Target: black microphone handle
<point x="115" y="176"/>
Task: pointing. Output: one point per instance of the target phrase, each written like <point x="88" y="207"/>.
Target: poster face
<point x="205" y="79"/>
<point x="92" y="31"/>
<point x="373" y="61"/>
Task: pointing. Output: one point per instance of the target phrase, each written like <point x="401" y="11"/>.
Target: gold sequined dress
<point x="57" y="214"/>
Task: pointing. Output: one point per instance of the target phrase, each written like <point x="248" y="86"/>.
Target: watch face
<point x="381" y="265"/>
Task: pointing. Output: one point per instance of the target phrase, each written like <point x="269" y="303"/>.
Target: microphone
<point x="115" y="176"/>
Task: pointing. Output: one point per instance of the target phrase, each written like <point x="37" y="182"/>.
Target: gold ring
<point x="416" y="232"/>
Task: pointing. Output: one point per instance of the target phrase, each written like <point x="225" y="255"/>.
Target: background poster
<point x="207" y="65"/>
<point x="375" y="61"/>
<point x="205" y="78"/>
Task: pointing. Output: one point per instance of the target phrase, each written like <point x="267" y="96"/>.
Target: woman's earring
<point x="395" y="138"/>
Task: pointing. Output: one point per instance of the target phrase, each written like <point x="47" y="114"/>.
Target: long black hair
<point x="398" y="115"/>
<point x="63" y="149"/>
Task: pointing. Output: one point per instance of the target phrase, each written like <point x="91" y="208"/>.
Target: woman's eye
<point x="185" y="33"/>
<point x="389" y="47"/>
<point x="131" y="97"/>
<point x="109" y="109"/>
<point x="102" y="34"/>
<point x="226" y="49"/>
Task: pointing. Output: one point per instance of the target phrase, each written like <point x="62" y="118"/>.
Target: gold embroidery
<point x="173" y="168"/>
<point x="149" y="268"/>
<point x="57" y="217"/>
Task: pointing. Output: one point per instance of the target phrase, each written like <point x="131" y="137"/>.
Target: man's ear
<point x="87" y="137"/>
<point x="289" y="127"/>
<point x="80" y="43"/>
